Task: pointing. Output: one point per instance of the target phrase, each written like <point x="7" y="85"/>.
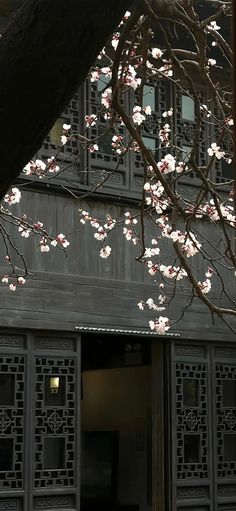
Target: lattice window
<point x="223" y="171"/>
<point x="191" y="412"/>
<point x="226" y="420"/>
<point x="105" y="159"/>
<point x="185" y="129"/>
<point x="67" y="155"/>
<point x="12" y="386"/>
<point x="55" y="422"/>
<point x="156" y="94"/>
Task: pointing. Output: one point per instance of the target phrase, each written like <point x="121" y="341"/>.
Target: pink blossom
<point x="21" y="280"/>
<point x="115" y="40"/>
<point x="93" y="148"/>
<point x="38" y="225"/>
<point x="181" y="167"/>
<point x="215" y="150"/>
<point x="141" y="305"/>
<point x="209" y="272"/>
<point x="24" y="231"/>
<point x="106" y="98"/>
<point x="213" y="26"/>
<point x="149" y="252"/>
<point x="160" y="325"/>
<point x="100" y="234"/>
<point x="94" y="77"/>
<point x="64" y="139"/>
<point x="205" y="286"/>
<point x="151" y="305"/>
<point x="211" y="62"/>
<point x="66" y="127"/>
<point x="137" y="116"/>
<point x="128" y="233"/>
<point x="167" y="164"/>
<point x="105" y="252"/>
<point x="164" y="133"/>
<point x="191" y="246"/>
<point x="38" y="167"/>
<point x="52" y="165"/>
<point x="157" y="53"/>
<point x="152" y="268"/>
<point x="43" y="243"/>
<point x="13" y="197"/>
<point x="90" y="120"/>
<point x="166" y="70"/>
<point x="168" y="113"/>
<point x="147" y="110"/>
<point x="61" y="240"/>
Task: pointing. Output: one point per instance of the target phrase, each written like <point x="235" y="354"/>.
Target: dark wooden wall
<point x="84" y="290"/>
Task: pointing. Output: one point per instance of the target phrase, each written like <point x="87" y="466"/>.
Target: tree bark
<point x="45" y="54"/>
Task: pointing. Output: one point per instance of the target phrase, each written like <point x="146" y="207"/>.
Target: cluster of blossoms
<point x="154" y="197"/>
<point x="45" y="240"/>
<point x="26" y="228"/>
<point x="190" y="244"/>
<point x="117" y="144"/>
<point x="128" y="230"/>
<point x="152" y="305"/>
<point x="65" y="136"/>
<point x="107" y="98"/>
<point x="102" y="230"/>
<point x="139" y="114"/>
<point x="164" y="134"/>
<point x="39" y="168"/>
<point x="213" y="212"/>
<point x="168" y="113"/>
<point x="130" y="77"/>
<point x="18" y="280"/>
<point x="160" y="325"/>
<point x="215" y="150"/>
<point x="59" y="240"/>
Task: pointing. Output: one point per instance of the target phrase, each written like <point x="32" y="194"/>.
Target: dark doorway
<point x="116" y="424"/>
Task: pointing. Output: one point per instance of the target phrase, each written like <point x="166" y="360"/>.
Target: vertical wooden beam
<point x="158" y="494"/>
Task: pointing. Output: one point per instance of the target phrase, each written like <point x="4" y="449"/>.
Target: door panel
<point x="39" y="423"/>
<point x="203" y="431"/>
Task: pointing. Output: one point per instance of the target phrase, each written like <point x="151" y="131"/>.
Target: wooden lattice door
<point x="203" y="427"/>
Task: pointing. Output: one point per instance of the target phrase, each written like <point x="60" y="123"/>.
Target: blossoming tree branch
<point x="167" y="231"/>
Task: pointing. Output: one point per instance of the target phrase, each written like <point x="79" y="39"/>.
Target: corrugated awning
<point x="144" y="333"/>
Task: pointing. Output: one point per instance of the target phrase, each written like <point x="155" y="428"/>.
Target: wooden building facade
<point x="95" y="411"/>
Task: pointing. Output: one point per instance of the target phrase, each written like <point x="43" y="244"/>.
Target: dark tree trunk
<point x="45" y="54"/>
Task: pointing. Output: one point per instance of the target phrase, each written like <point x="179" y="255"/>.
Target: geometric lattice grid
<point x="55" y="429"/>
<point x="68" y="152"/>
<point x="191" y="414"/>
<point x="12" y="377"/>
<point x="226" y="420"/>
<point x="157" y="95"/>
<point x="185" y="131"/>
<point x="105" y="159"/>
<point x="223" y="171"/>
